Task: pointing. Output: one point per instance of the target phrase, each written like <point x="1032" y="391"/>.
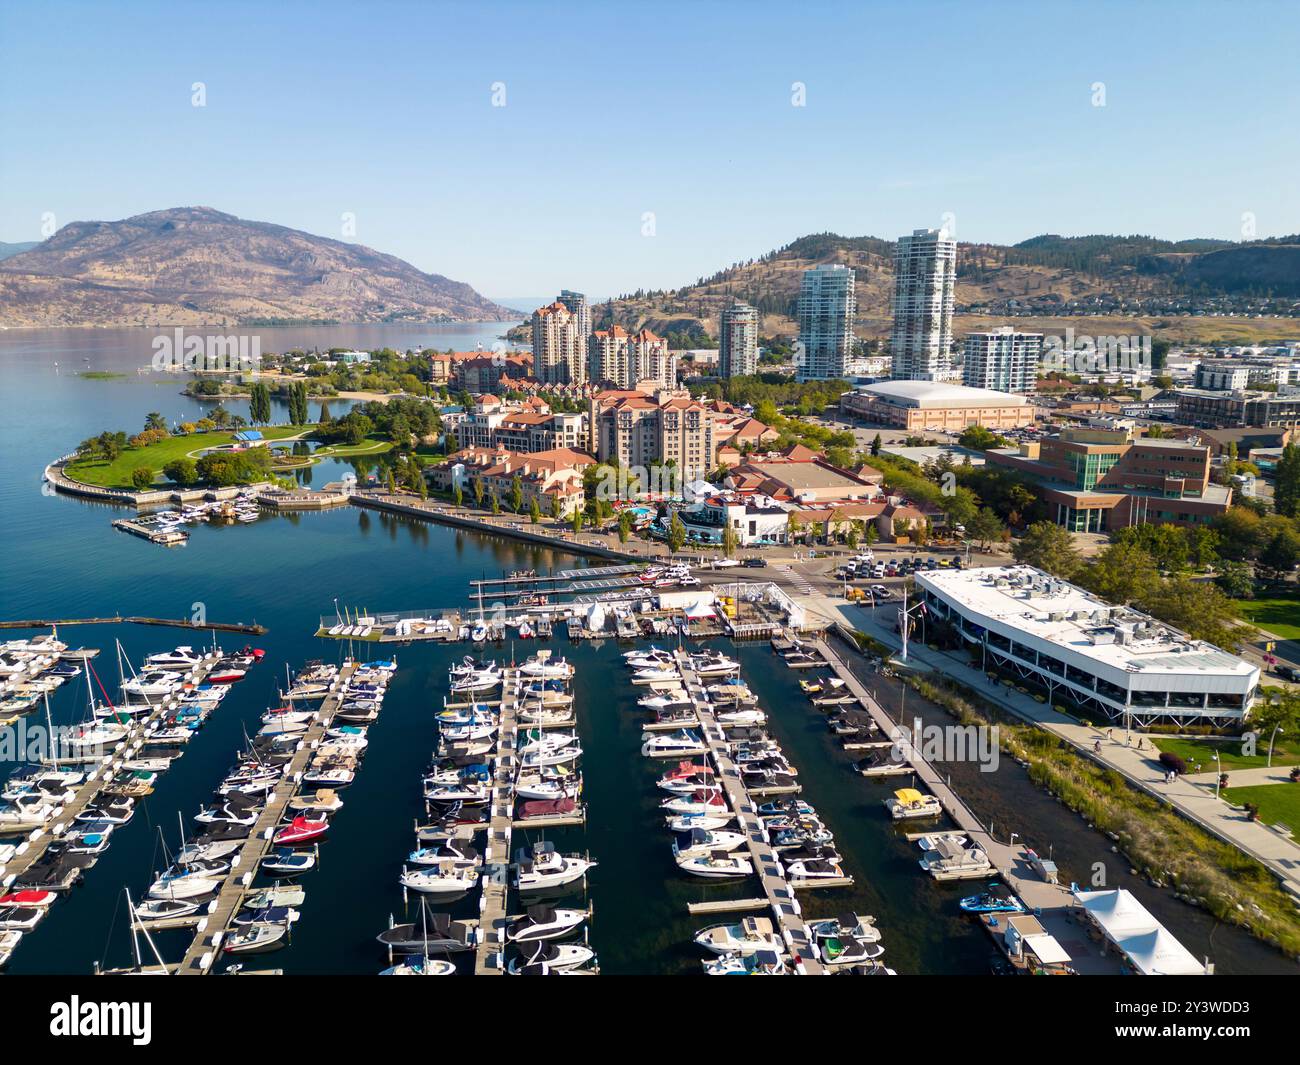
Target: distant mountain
<point x="1043" y="274"/>
<point x="7" y="250"/>
<point x="194" y="265"/>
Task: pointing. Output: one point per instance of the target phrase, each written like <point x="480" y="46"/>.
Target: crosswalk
<point x="798" y="580"/>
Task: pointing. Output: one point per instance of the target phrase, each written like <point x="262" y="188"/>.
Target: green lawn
<point x="1280" y="614"/>
<point x="1279" y="804"/>
<point x="117" y="474"/>
<point x="1285" y="752"/>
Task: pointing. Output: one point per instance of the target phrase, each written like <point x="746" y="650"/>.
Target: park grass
<point x="117" y="474"/>
<point x="1285" y="752"/>
<point x="1278" y="614"/>
<point x="1279" y="804"/>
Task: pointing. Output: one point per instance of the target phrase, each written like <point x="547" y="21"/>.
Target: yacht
<point x="814" y="869"/>
<point x="732" y="692"/>
<point x="447" y="880"/>
<point x="182" y="658"/>
<point x="730" y="718"/>
<point x="543" y="922"/>
<point x="542" y="788"/>
<point x="560" y="756"/>
<point x="668" y="701"/>
<point x="555" y="956"/>
<point x="455" y="854"/>
<point x="845" y="940"/>
<point x="690" y="822"/>
<point x="541" y="714"/>
<point x="683" y="743"/>
<point x="702" y="841"/>
<point x="420" y="966"/>
<point x="748" y="937"/>
<point x="544" y="867"/>
<point x="540" y="665"/>
<point x="153" y="684"/>
<point x="536" y="741"/>
<point x="25" y="809"/>
<point x="716" y="865"/>
<point x="655" y="676"/>
<point x="713" y="665"/>
<point x="477" y="682"/>
<point x="709" y="802"/>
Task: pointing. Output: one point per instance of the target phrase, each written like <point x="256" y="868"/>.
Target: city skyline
<point x="430" y="169"/>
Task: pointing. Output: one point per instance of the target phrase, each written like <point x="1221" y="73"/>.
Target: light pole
<point x="1218" y="774"/>
<point x="1276" y="730"/>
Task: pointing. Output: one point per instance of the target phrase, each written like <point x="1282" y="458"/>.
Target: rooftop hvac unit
<point x="1121" y="636"/>
<point x="1057" y="615"/>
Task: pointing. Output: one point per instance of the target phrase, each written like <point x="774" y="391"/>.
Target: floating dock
<point x="489" y="954"/>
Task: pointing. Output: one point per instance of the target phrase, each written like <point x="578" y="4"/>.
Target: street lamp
<point x="1218" y="775"/>
<point x="1276" y="730"/>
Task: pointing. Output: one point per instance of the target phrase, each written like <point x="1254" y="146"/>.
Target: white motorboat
<point x="541" y="665"/>
<point x="153" y="684"/>
<point x="748" y="937"/>
<point x="26" y="809"/>
<point x="670" y="701"/>
<point x="440" y="881"/>
<point x="760" y="963"/>
<point x="716" y="865"/>
<point x="183" y="884"/>
<point x="540" y="788"/>
<point x="257" y="937"/>
<point x="167" y="909"/>
<point x="710" y="802"/>
<point x="708" y="822"/>
<point x="814" y="869"/>
<point x="953" y="861"/>
<point x="909" y="803"/>
<point x="9" y="940"/>
<point x="100" y="734"/>
<point x="420" y="966"/>
<point x="555" y="956"/>
<point x="680" y="744"/>
<point x="702" y="841"/>
<point x="655" y="676"/>
<point x="477" y="682"/>
<point x="543" y="922"/>
<point x="536" y="741"/>
<point x="544" y="867"/>
<point x="741" y="718"/>
<point x="185" y="658"/>
<point x="713" y="665"/>
<point x="932" y="841"/>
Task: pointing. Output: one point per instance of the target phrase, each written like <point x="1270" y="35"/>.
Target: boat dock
<point x="489" y="954"/>
<point x="778" y="890"/>
<point x="167" y="537"/>
<point x="43" y="833"/>
<point x="205" y="948"/>
<point x="488" y="584"/>
<point x="1051" y="903"/>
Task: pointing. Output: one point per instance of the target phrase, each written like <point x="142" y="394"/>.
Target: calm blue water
<point x="61" y="558"/>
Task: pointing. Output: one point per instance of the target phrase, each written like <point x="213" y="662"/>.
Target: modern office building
<point x="925" y="281"/>
<point x="934" y="407"/>
<point x="1096" y="480"/>
<point x="827" y="304"/>
<point x="1003" y="360"/>
<point x="1103" y="659"/>
<point x="559" y="346"/>
<point x="738" y="339"/>
<point x="1208" y="409"/>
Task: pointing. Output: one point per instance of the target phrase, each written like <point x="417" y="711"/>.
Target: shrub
<point x="1172" y="761"/>
<point x="142" y="477"/>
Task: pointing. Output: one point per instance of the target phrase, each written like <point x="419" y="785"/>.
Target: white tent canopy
<point x="1149" y="946"/>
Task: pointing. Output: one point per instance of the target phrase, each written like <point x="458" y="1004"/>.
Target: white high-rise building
<point x="1004" y="360"/>
<point x="738" y="341"/>
<point x="925" y="279"/>
<point x="827" y="304"/>
<point x="577" y="304"/>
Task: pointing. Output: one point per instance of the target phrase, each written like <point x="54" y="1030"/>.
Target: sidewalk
<point x="1273" y="848"/>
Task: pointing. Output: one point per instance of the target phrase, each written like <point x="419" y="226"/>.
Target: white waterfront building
<point x="925" y="284"/>
<point x="1108" y="660"/>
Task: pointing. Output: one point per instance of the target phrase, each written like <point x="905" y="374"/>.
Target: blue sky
<point x="913" y="111"/>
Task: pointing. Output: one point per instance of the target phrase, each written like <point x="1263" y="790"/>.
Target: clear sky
<point x="912" y="111"/>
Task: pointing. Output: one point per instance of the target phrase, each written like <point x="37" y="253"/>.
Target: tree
<point x="985" y="527"/>
<point x="1196" y="607"/>
<point x="154" y="420"/>
<point x="181" y="471"/>
<point x="259" y="404"/>
<point x="534" y="511"/>
<point x="458" y="496"/>
<point x="980" y="439"/>
<point x="496" y="503"/>
<point x="516" y="494"/>
<point x="576" y="518"/>
<point x="1048" y="547"/>
<point x="793" y="527"/>
<point x="479" y="491"/>
<point x="872" y="535"/>
<point x="1235" y="580"/>
<point x="876" y="444"/>
<point x="624" y="526"/>
<point x="728" y="540"/>
<point x="1286" y="486"/>
<point x="1282" y="553"/>
<point x="676" y="533"/>
<point x="324" y="417"/>
<point x="141" y="477"/>
<point x="555" y="507"/>
<point x="1122" y="573"/>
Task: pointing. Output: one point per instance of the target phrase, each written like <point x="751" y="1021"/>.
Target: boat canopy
<point x="908" y="795"/>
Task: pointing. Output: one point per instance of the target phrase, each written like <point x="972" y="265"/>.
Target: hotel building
<point x="1102" y="659"/>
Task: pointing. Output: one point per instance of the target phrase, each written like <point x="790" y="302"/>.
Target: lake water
<point x="62" y="558"/>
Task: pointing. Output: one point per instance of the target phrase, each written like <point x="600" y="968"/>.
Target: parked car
<point x="755" y="563"/>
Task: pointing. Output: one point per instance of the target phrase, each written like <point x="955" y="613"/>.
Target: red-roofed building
<point x="543" y="476"/>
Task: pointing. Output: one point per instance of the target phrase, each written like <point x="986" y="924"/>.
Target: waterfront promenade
<point x="1192" y="796"/>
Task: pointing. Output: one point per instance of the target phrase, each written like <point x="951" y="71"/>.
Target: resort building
<point x="925" y="280"/>
<point x="1103" y="659"/>
<point x="549" y="477"/>
<point x="738" y="337"/>
<point x="1096" y="480"/>
<point x="1003" y="360"/>
<point x="636" y="429"/>
<point x="827" y="304"/>
<point x="803" y="476"/>
<point x="623" y="360"/>
<point x="559" y="346"/>
<point x="927" y="406"/>
<point x="527" y="426"/>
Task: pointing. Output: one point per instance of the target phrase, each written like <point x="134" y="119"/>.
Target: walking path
<point x="1132" y="755"/>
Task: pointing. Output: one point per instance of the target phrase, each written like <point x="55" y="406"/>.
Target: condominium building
<point x="635" y="429"/>
<point x="1103" y="659"/>
<point x="1003" y="360"/>
<point x="827" y="303"/>
<point x="738" y="337"/>
<point x="925" y="279"/>
<point x="559" y="346"/>
<point x="626" y="360"/>
<point x="577" y="304"/>
<point x="551" y="478"/>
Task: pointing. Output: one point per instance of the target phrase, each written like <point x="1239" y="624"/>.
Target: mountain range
<point x="199" y="266"/>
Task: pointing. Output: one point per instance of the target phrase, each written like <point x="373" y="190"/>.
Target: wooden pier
<point x="494" y="879"/>
<point x="31" y="850"/>
<point x="778" y="891"/>
<point x="206" y="947"/>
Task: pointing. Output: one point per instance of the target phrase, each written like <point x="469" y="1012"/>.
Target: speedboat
<point x="543" y="922"/>
<point x="455" y="854"/>
<point x="256" y="938"/>
<point x="153" y="684"/>
<point x="435" y="932"/>
<point x="280" y="895"/>
<point x="28" y="898"/>
<point x="846" y="940"/>
<point x="167" y="909"/>
<point x="655" y="676"/>
<point x="716" y="865"/>
<point x="708" y="822"/>
<point x="184" y="884"/>
<point x="324" y="801"/>
<point x="997" y="898"/>
<point x="285" y="862"/>
<point x="181" y="657"/>
<point x="213" y="851"/>
<point x="544" y="867"/>
<point x="300" y="830"/>
<point x="667" y="701"/>
<point x="9" y="940"/>
<point x="709" y="802"/>
<point x="440" y="881"/>
<point x="682" y="743"/>
<point x="115" y="811"/>
<point x="552" y="955"/>
<point x="760" y="963"/>
<point x="706" y="841"/>
<point x="20" y="918"/>
<point x="748" y="937"/>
